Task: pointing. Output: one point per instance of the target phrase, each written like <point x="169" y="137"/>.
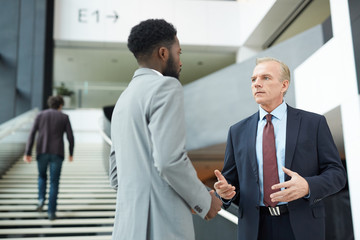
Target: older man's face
<point x="267" y="88"/>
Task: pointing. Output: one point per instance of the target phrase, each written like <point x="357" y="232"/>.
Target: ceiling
<point x="113" y="63"/>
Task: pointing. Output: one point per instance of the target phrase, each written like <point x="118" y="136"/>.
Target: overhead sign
<point x="87" y="15"/>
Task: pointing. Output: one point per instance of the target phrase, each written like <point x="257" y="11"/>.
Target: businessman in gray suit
<point x="157" y="186"/>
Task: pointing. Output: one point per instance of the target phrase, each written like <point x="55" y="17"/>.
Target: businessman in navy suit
<point x="307" y="164"/>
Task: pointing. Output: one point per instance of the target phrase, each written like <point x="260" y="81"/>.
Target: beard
<point x="171" y="69"/>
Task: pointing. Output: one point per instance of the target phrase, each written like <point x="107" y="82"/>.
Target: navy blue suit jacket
<point x="310" y="151"/>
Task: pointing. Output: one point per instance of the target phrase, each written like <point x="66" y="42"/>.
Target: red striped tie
<point x="270" y="169"/>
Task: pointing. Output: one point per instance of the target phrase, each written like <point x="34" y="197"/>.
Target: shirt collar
<point x="157" y="72"/>
<point x="278" y="112"/>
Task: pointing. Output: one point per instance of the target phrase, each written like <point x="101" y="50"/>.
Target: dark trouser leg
<point x="42" y="163"/>
<point x="55" y="171"/>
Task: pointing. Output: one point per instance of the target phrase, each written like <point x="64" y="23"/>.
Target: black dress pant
<point x="275" y="227"/>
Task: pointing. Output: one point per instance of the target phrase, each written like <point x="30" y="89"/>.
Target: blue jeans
<point x="55" y="163"/>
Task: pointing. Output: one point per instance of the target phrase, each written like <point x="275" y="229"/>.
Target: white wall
<point x="86" y="125"/>
<point x="327" y="80"/>
<point x="214" y="23"/>
<point x="219" y="100"/>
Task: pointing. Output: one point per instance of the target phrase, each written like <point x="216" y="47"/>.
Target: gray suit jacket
<point x="157" y="184"/>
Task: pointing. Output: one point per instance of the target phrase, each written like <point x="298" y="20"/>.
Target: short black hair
<point x="55" y="102"/>
<point x="148" y="35"/>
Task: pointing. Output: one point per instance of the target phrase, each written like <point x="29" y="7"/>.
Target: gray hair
<point x="285" y="72"/>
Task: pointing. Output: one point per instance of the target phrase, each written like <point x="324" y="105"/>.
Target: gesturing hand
<point x="225" y="190"/>
<point x="297" y="187"/>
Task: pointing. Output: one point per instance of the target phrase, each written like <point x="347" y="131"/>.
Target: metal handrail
<point x="229" y="216"/>
<point x="105" y="137"/>
<point x="225" y="214"/>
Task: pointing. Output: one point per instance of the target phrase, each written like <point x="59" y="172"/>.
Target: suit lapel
<point x="252" y="132"/>
<point x="292" y="131"/>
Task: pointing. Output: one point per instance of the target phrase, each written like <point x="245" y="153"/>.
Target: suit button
<point x="197" y="208"/>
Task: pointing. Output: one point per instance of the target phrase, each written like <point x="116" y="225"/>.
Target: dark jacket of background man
<point x="51" y="125"/>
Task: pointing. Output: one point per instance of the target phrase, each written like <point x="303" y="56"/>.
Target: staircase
<point x="86" y="203"/>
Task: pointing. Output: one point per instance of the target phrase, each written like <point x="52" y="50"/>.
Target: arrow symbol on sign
<point x="115" y="16"/>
